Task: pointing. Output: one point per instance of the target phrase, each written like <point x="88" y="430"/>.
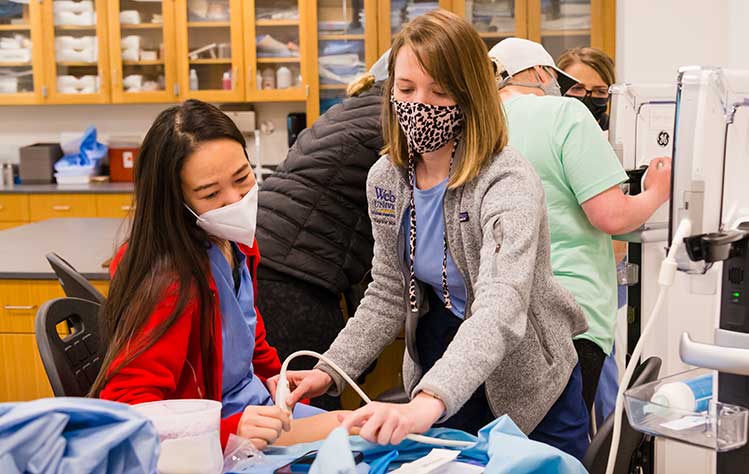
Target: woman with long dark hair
<point x="181" y="320"/>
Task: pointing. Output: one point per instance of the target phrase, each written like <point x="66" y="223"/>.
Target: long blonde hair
<point x="450" y="50"/>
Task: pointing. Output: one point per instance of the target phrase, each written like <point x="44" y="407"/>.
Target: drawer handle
<point x="19" y="308"/>
<point x="60" y="208"/>
<point x="127" y="208"/>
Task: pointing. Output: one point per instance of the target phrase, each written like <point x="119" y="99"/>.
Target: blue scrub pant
<point x="565" y="426"/>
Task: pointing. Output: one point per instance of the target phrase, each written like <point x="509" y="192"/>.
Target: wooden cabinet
<point x="560" y="25"/>
<point x="14" y="208"/>
<point x="249" y="50"/>
<point x="142" y="51"/>
<point x="495" y="20"/>
<point x="22" y="71"/>
<point x="22" y="375"/>
<point x="210" y="50"/>
<point x="346" y="48"/>
<point x="50" y="206"/>
<point x="393" y="14"/>
<point x="114" y="205"/>
<point x="75" y="52"/>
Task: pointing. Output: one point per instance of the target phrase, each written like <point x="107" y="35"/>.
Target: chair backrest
<point x="73" y="283"/>
<point x="72" y="362"/>
<point x="597" y="456"/>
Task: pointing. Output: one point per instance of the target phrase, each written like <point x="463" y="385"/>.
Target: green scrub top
<point x="562" y="140"/>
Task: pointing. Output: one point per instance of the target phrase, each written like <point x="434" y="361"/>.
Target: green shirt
<point x="562" y="140"/>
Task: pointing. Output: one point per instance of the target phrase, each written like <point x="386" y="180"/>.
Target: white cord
<point x="282" y="392"/>
<point x="665" y="280"/>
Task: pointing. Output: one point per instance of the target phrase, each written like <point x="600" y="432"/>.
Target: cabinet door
<point x="114" y="205"/>
<point x="396" y="13"/>
<point x="276" y="49"/>
<point x="209" y="50"/>
<point x="21" y="64"/>
<point x="495" y="20"/>
<point x="142" y="51"/>
<point x="50" y="206"/>
<point x="563" y="24"/>
<point x="76" y="55"/>
<point x="22" y="375"/>
<point x="346" y="47"/>
<point x="14" y="207"/>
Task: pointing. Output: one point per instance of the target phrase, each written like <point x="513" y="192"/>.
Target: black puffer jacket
<point x="312" y="218"/>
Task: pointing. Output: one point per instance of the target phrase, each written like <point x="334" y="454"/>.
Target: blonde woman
<point x="461" y="260"/>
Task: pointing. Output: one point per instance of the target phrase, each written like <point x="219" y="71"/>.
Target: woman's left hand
<point x="389" y="423"/>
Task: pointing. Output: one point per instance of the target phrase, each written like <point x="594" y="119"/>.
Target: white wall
<point x="24" y="125"/>
<point x="655" y="37"/>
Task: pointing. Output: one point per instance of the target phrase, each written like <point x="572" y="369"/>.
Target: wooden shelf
<point x="277" y="60"/>
<point x="496" y="34"/>
<point x="341" y="37"/>
<point x="333" y="87"/>
<point x="15" y="27"/>
<point x="295" y="94"/>
<point x="142" y="26"/>
<point x="154" y="62"/>
<point x="565" y="32"/>
<point x="209" y="24"/>
<point x="76" y="64"/>
<point x="16" y="64"/>
<point x="75" y="28"/>
<point x="211" y="61"/>
<point x="277" y="23"/>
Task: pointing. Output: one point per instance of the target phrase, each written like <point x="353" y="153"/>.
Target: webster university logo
<point x="384" y="203"/>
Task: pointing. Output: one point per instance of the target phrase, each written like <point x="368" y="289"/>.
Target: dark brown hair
<point x="452" y="52"/>
<point x="167" y="252"/>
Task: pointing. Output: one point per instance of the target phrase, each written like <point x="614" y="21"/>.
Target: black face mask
<point x="597" y="107"/>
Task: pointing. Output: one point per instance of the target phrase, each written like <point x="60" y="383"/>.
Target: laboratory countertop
<point x="90" y="188"/>
<point x="85" y="243"/>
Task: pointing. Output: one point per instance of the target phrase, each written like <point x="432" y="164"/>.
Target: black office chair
<point x="73" y="283"/>
<point x="72" y="362"/>
<point x="597" y="456"/>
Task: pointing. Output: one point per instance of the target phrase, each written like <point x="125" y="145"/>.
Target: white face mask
<point x="235" y="222"/>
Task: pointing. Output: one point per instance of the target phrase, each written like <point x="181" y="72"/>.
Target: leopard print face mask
<point x="428" y="127"/>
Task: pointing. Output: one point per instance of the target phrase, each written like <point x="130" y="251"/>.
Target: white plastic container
<point x="194" y="84"/>
<point x="283" y="78"/>
<point x="85" y="6"/>
<point x="189" y="432"/>
<point x="129" y="17"/>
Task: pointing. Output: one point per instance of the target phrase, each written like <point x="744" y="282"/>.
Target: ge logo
<point x="663" y="138"/>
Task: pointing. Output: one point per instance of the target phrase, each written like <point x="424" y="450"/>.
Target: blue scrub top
<point x="239" y="387"/>
<point x="430" y="231"/>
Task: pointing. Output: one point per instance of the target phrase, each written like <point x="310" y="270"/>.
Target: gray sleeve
<point x="379" y="318"/>
<point x="511" y="213"/>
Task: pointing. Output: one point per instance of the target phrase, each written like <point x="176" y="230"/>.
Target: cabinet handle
<point x="19" y="308"/>
<point x="60" y="208"/>
<point x="127" y="208"/>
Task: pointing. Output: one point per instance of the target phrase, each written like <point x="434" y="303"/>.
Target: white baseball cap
<point x="513" y="55"/>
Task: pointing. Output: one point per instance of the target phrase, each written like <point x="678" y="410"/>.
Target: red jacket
<point x="172" y="367"/>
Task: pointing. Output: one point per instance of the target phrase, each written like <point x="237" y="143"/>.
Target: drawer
<point x="114" y="205"/>
<point x="22" y="375"/>
<point x="14" y="207"/>
<point x="10" y="225"/>
<point x="50" y="206"/>
<point x="21" y="299"/>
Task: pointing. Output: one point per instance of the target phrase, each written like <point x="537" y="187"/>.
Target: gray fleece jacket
<point x="519" y="322"/>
